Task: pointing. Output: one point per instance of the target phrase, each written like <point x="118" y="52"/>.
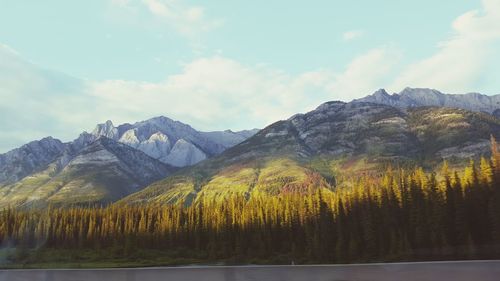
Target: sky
<point x="67" y="65"/>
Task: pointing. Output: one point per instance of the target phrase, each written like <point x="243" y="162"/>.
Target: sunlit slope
<point x="327" y="146"/>
<point x="268" y="177"/>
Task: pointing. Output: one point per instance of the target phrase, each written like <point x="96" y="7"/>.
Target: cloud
<point x="37" y="102"/>
<point x="459" y="61"/>
<point x="221" y="93"/>
<point x="352" y="34"/>
<point x="188" y="20"/>
<point x="215" y="93"/>
<point x="365" y="73"/>
<point x="211" y="93"/>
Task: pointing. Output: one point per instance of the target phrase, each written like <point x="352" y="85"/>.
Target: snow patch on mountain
<point x="107" y="130"/>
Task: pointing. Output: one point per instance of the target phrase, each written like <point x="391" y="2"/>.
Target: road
<point x="421" y="271"/>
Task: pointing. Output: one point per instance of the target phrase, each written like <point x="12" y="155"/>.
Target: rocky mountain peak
<point x="157" y="137"/>
<point x="161" y="119"/>
<point x="183" y="152"/>
<point x="424" y="94"/>
<point x="106" y="129"/>
<point x="408" y="91"/>
<point x="416" y="97"/>
<point x="331" y="105"/>
<point x="165" y="122"/>
<point x="29" y="158"/>
<point x="382" y="93"/>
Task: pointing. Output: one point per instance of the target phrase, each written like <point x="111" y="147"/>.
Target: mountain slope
<point x="416" y="97"/>
<point x="321" y="147"/>
<point x="102" y="172"/>
<point x="29" y="158"/>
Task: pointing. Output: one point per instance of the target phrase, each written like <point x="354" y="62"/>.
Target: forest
<point x="402" y="215"/>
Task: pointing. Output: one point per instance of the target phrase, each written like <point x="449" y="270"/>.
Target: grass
<point x="24" y="189"/>
<point x="78" y="258"/>
<point x="113" y="258"/>
<point x="229" y="182"/>
<point x="168" y="191"/>
<point x="44" y="258"/>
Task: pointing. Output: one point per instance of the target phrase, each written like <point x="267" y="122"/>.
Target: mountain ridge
<point x="167" y="132"/>
<point x="32" y="157"/>
<point x="194" y="147"/>
<point x="416" y="97"/>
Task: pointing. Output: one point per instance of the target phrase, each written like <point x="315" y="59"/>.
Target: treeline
<point x="404" y="215"/>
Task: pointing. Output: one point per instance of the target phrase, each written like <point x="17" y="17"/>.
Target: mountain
<point x="415" y="97"/>
<point x="323" y="147"/>
<point x="106" y="164"/>
<point x="103" y="171"/>
<point x="327" y="145"/>
<point x="170" y="141"/>
<point x="164" y="139"/>
<point x="229" y="138"/>
<point x="29" y="158"/>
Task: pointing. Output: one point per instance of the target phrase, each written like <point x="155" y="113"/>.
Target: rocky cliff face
<point x="415" y="97"/>
<point x="374" y="130"/>
<point x="335" y="129"/>
<point x="29" y="158"/>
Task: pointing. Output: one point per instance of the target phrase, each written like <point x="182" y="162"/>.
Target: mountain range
<point x="415" y="97"/>
<point x="171" y="142"/>
<point x="106" y="164"/>
<point x="325" y="147"/>
<point x="166" y="161"/>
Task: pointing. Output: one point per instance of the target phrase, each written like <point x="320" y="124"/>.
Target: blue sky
<point x="67" y="65"/>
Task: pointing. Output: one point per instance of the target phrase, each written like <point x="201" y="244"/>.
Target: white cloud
<point x="352" y="34"/>
<point x="209" y="93"/>
<point x="365" y="73"/>
<point x="37" y="102"/>
<point x="188" y="20"/>
<point x="220" y="93"/>
<point x="460" y="61"/>
<point x="217" y="93"/>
